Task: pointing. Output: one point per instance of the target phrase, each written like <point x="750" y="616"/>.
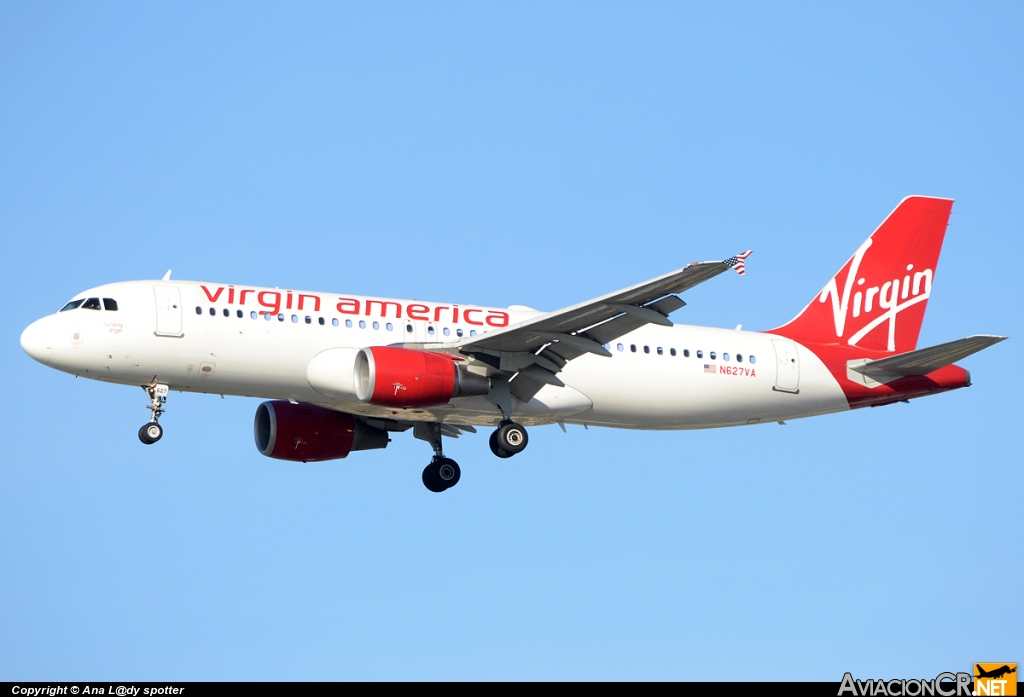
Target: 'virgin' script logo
<point x="890" y="298"/>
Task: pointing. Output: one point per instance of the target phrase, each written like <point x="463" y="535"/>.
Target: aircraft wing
<point x="535" y="350"/>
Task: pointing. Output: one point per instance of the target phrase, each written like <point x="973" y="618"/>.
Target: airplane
<point x="342" y="373"/>
<point x="995" y="673"/>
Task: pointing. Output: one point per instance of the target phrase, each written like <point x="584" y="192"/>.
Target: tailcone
<point x="950" y="377"/>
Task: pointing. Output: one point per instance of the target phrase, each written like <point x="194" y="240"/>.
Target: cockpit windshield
<point x="73" y="305"/>
<point x="109" y="304"/>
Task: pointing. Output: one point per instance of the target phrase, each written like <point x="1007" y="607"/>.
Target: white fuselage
<point x="677" y="377"/>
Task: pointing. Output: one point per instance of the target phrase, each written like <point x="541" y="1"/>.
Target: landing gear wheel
<point x="443" y="473"/>
<point x="493" y="442"/>
<point x="151" y="433"/>
<point x="511" y="438"/>
<point x="430" y="481"/>
<point x="448" y="472"/>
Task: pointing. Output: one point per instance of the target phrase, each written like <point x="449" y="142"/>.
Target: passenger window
<point x="472" y="332"/>
<point x="321" y="320"/>
<point x="661" y="351"/>
<point x="362" y="324"/>
<point x="227" y="312"/>
<point x="458" y="332"/>
<point x="647" y="349"/>
<point x="408" y="328"/>
<point x="618" y="346"/>
<point x="267" y="316"/>
<point x="295" y="319"/>
<point x="199" y="310"/>
<point x="672" y="351"/>
<point x="213" y="312"/>
<point x="446" y="331"/>
<point x="239" y="314"/>
<point x="376" y="325"/>
<point x="389" y="326"/>
<point x="739" y="357"/>
<point x="91" y="304"/>
<point x="725" y="356"/>
<point x="686" y="353"/>
<point x="109" y="304"/>
<point x="335" y="321"/>
<point x="752" y="359"/>
<point x="700" y="354"/>
<point x="309" y="320"/>
<point x="348" y="323"/>
<point x="75" y="304"/>
<point x="280" y="317"/>
<point x="253" y="314"/>
<point x="430" y="330"/>
<point x="712" y="355"/>
<point x="632" y="347"/>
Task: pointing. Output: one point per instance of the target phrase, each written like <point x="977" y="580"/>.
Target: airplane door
<point x="787" y="362"/>
<point x="423" y="331"/>
<point x="168" y="311"/>
<point x="419" y="331"/>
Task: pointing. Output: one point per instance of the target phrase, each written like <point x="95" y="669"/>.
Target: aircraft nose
<point x="36" y="343"/>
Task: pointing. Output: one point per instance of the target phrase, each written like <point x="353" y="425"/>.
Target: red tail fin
<point x="877" y="300"/>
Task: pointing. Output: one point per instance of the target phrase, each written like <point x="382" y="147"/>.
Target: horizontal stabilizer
<point x="927" y="360"/>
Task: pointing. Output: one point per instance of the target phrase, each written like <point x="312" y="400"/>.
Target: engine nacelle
<point x="398" y="377"/>
<point x="308" y="433"/>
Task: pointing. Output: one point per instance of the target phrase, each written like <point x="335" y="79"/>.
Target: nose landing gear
<point x="152" y="432"/>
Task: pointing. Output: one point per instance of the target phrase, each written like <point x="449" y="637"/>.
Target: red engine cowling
<point x="398" y="377"/>
<point x="308" y="433"/>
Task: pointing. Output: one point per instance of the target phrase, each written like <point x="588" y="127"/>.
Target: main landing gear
<point x="508" y="439"/>
<point x="152" y="432"/>
<point x="443" y="472"/>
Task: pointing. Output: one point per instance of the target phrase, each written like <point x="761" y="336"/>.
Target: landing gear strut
<point x="152" y="432"/>
<point x="443" y="472"/>
<point x="509" y="439"/>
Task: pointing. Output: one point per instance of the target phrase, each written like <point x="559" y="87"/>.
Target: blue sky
<point x="538" y="154"/>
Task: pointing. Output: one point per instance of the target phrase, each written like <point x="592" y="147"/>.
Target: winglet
<point x="167" y="276"/>
<point x="736" y="262"/>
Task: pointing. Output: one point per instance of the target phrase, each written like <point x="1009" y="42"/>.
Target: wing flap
<point x="625" y="323"/>
<point x="525" y="387"/>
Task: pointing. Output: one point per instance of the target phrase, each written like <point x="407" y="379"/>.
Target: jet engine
<point x="398" y="377"/>
<point x="308" y="433"/>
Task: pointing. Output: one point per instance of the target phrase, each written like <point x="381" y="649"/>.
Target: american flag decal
<point x="736" y="262"/>
<point x="709" y="368"/>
